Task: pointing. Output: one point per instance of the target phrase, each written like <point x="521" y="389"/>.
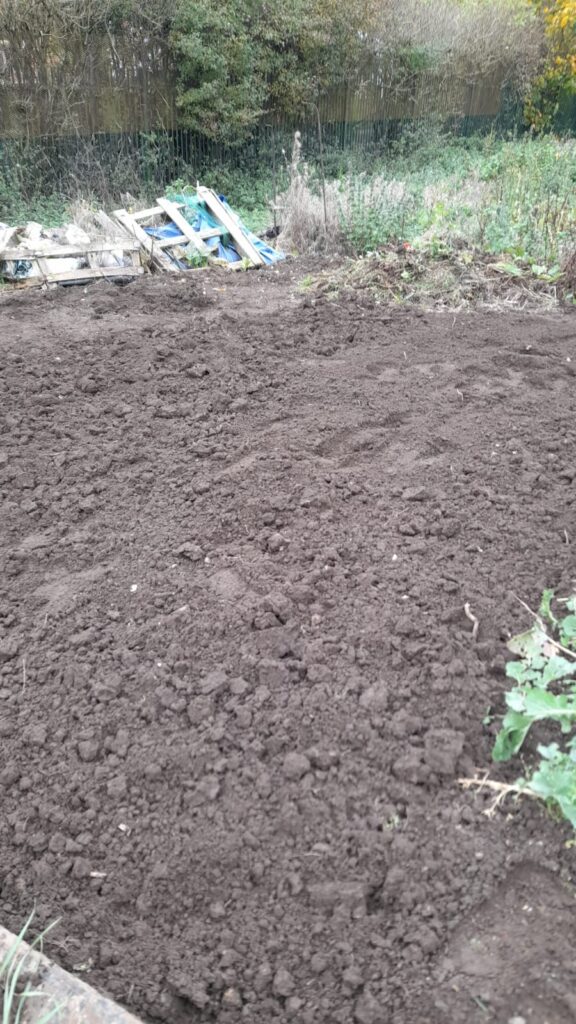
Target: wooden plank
<point x="165" y="243"/>
<point x="69" y="250"/>
<point x="179" y="239"/>
<point x="243" y="244"/>
<point x="154" y="211"/>
<point x="176" y="217"/>
<point x="92" y="273"/>
<point x="159" y="258"/>
<point x="111" y="227"/>
<point x="116" y="233"/>
<point x="44" y="268"/>
<point x="62" y="998"/>
<point x="80" y="275"/>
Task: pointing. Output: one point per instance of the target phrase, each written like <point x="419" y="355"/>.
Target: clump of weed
<point x="439" y="277"/>
<point x="309" y="216"/>
<point x="544" y="695"/>
<point x="512" y="199"/>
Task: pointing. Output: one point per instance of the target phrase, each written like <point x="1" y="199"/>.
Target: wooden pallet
<point x="48" y="274"/>
<point x="159" y="249"/>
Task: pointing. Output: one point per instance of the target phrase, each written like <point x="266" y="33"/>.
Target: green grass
<point x="15" y="991"/>
<point x="516" y="198"/>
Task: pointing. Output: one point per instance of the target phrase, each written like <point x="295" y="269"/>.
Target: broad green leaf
<point x="520" y="671"/>
<point x="528" y="671"/>
<point x="550" y="751"/>
<point x="539" y="704"/>
<point x="507" y="268"/>
<point x="567" y="631"/>
<point x="516" y="700"/>
<point x="545" y="607"/>
<point x="528" y="644"/>
<point x="515" y="727"/>
<point x="558" y="667"/>
<point x="541" y="663"/>
<point x="555" y="779"/>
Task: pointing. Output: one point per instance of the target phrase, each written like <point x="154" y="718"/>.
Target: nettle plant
<point x="544" y="691"/>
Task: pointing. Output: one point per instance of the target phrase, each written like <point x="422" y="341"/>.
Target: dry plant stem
<point x="469" y="615"/>
<point x="321" y="153"/>
<point x="502" y="789"/>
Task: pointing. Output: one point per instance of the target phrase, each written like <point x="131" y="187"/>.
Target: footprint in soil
<point x="512" y="960"/>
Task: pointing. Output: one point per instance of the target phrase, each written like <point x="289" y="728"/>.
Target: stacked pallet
<point x="174" y="235"/>
<point x="194" y="230"/>
<point x="33" y="256"/>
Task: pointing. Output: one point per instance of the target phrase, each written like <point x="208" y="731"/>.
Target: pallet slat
<point x="159" y="258"/>
<point x="176" y="217"/>
<point x="243" y="244"/>
<point x="80" y="275"/>
<point x="69" y="250"/>
<point x="109" y="226"/>
<point x="44" y="268"/>
<point x="139" y="215"/>
<point x="165" y="243"/>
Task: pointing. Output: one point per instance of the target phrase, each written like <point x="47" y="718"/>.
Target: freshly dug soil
<point x="237" y="682"/>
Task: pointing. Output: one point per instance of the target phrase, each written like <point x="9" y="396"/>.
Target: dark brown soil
<point x="238" y="685"/>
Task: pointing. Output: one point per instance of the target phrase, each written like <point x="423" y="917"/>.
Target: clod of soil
<point x="237" y="680"/>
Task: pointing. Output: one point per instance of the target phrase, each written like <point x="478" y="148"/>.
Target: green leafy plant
<point x="15" y="990"/>
<point x="515" y="200"/>
<point x="544" y="691"/>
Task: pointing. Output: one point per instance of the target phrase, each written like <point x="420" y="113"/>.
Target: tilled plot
<point x="237" y="680"/>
